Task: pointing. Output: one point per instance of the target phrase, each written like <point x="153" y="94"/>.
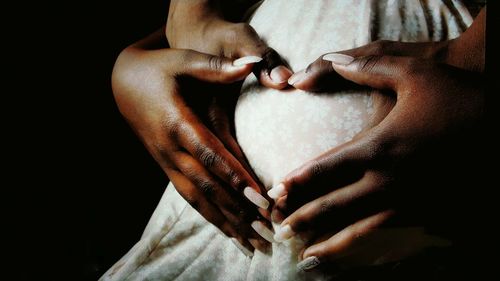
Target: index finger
<point x="336" y="167"/>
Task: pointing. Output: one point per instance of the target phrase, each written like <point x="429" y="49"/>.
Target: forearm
<point x="231" y="10"/>
<point x="468" y="50"/>
<point x="195" y="15"/>
<point x="153" y="41"/>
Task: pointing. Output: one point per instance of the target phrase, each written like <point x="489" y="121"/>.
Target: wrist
<point x="468" y="50"/>
<point x="465" y="54"/>
<point x="188" y="20"/>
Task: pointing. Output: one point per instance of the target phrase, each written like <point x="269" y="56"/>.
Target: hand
<point x="466" y="52"/>
<point x="159" y="92"/>
<point x="199" y="25"/>
<point x="397" y="173"/>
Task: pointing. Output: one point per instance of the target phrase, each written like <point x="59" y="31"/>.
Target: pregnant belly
<point x="280" y="130"/>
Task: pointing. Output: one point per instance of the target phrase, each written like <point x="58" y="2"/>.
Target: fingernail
<point x="277" y="191"/>
<point x="246" y="60"/>
<point x="280" y="74"/>
<point x="255" y="197"/>
<point x="296" y="77"/>
<point x="308" y="263"/>
<point x="339" y="59"/>
<point x="263" y="231"/>
<point x="242" y="248"/>
<point x="284" y="233"/>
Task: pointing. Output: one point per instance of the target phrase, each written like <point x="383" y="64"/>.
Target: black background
<point x="83" y="186"/>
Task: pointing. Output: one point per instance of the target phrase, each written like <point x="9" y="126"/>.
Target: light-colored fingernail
<point x="263" y="231"/>
<point x="308" y="263"/>
<point x="277" y="191"/>
<point x="242" y="248"/>
<point x="339" y="59"/>
<point x="284" y="233"/>
<point x="255" y="197"/>
<point x="246" y="60"/>
<point x="280" y="74"/>
<point x="296" y="77"/>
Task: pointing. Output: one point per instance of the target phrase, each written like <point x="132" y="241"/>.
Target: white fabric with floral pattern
<point x="280" y="130"/>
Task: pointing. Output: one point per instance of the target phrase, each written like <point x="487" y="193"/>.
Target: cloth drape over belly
<point x="278" y="131"/>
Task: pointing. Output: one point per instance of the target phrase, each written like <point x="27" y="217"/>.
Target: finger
<point x="336" y="209"/>
<point x="235" y="149"/>
<point x="237" y="211"/>
<point x="272" y="71"/>
<point x="317" y="77"/>
<point x="343" y="243"/>
<point x="225" y="199"/>
<point x="213" y="155"/>
<point x="204" y="207"/>
<point x="223" y="128"/>
<point x="335" y="168"/>
<point x="209" y="68"/>
<point x="369" y="242"/>
<point x="396" y="48"/>
<point x="320" y="75"/>
<point x="380" y="72"/>
<point x="277" y="215"/>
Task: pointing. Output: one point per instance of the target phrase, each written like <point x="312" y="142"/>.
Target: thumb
<point x="380" y="72"/>
<point x="319" y="76"/>
<point x="215" y="69"/>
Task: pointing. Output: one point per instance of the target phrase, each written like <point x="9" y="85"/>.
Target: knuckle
<point x="218" y="121"/>
<point x="326" y="206"/>
<point x="316" y="169"/>
<point x="215" y="63"/>
<point x="368" y="63"/>
<point x="207" y="187"/>
<point x="243" y="28"/>
<point x="235" y="179"/>
<point x="206" y="156"/>
<point x="171" y="127"/>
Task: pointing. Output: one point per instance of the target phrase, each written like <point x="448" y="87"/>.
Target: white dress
<point x="278" y="131"/>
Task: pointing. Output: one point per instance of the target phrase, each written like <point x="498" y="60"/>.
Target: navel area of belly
<point x="280" y="130"/>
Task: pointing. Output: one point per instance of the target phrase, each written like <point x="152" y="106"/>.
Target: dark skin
<point x="195" y="147"/>
<point x="208" y="185"/>
<point x="192" y="137"/>
<point x="380" y="182"/>
<point x="204" y="26"/>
